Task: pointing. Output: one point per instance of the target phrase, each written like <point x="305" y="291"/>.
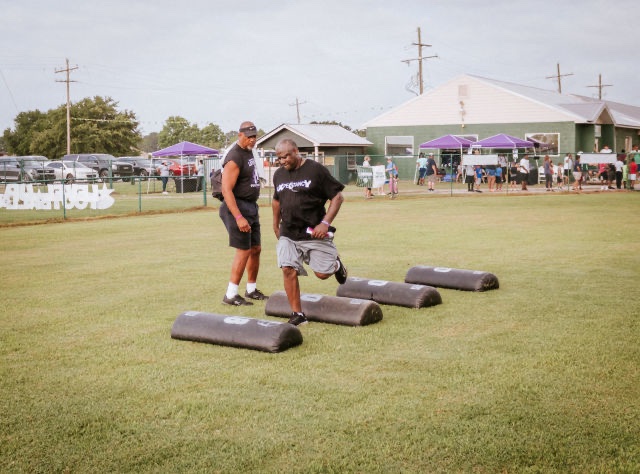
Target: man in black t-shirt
<point x="301" y="223"/>
<point x="432" y="172"/>
<point x="239" y="213"/>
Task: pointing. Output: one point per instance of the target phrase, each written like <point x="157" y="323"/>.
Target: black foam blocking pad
<point x="236" y="331"/>
<point x="390" y="292"/>
<point x="327" y="309"/>
<point x="443" y="277"/>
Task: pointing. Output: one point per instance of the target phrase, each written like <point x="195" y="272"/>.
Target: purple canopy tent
<point x="503" y="141"/>
<point x="448" y="142"/>
<point x="185" y="149"/>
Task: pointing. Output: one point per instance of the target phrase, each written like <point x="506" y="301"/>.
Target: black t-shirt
<point x="247" y="186"/>
<point x="430" y="164"/>
<point x="302" y="194"/>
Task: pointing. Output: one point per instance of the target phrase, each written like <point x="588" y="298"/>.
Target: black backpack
<point x="216" y="184"/>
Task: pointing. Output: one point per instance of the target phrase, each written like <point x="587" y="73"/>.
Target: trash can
<point x="185" y="185"/>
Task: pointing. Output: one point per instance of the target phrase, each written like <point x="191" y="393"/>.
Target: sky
<point x="223" y="62"/>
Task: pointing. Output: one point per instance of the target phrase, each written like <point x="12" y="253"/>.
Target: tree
<point x="212" y="136"/>
<point x="96" y="127"/>
<point x="27" y="126"/>
<point x="178" y="129"/>
<point x="149" y="142"/>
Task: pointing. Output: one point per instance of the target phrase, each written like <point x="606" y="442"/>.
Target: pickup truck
<point x="106" y="165"/>
<point x="26" y="169"/>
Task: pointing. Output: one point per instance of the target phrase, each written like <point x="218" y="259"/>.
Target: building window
<point x="398" y="146"/>
<point x="545" y="143"/>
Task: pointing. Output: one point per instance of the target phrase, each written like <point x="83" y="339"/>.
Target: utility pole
<point x="558" y="75"/>
<point x="297" y="104"/>
<point x="420" y="58"/>
<point x="67" y="80"/>
<point x="600" y="86"/>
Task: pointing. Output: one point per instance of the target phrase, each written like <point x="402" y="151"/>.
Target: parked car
<point x="103" y="163"/>
<point x="72" y="171"/>
<point x="177" y="167"/>
<point x="10" y="170"/>
<point x="34" y="169"/>
<point x="142" y="167"/>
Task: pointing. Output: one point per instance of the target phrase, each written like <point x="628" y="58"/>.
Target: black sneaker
<point x="341" y="273"/>
<point x="298" y="319"/>
<point x="256" y="295"/>
<point x="236" y="301"/>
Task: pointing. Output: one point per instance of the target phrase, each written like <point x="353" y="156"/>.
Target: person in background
<point x="301" y="223"/>
<point x="421" y="164"/>
<point x="524" y="172"/>
<point x="567" y="167"/>
<point x="470" y="177"/>
<point x="164" y="176"/>
<point x="577" y="174"/>
<point x="459" y="173"/>
<point x="491" y="177"/>
<point x="513" y="175"/>
<point x="618" y="166"/>
<point x="502" y="163"/>
<point x="603" y="170"/>
<point x="548" y="173"/>
<point x="611" y="175"/>
<point x="478" y="173"/>
<point x="633" y="172"/>
<point x="432" y="172"/>
<point x="367" y="191"/>
<point x="200" y="175"/>
<point x="559" y="176"/>
<point x="498" y="178"/>
<point x="392" y="171"/>
<point x="239" y="213"/>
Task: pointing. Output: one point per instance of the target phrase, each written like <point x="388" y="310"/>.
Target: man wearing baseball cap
<point x="239" y="213"/>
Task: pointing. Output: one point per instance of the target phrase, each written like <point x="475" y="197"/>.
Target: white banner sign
<point x="78" y="196"/>
<point x="597" y="158"/>
<point x="482" y="160"/>
<point x="379" y="176"/>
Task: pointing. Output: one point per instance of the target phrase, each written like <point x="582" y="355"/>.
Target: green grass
<point x="538" y="376"/>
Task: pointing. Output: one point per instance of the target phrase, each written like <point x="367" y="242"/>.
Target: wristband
<point x="324" y="222"/>
<point x="238" y="216"/>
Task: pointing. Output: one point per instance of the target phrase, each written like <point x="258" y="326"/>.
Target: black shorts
<point x="237" y="238"/>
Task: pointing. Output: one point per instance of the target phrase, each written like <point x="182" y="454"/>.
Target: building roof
<point x="474" y="99"/>
<point x="319" y="135"/>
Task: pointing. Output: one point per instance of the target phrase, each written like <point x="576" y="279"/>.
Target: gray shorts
<point x="320" y="255"/>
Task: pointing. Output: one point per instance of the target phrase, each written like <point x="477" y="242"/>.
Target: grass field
<point x="541" y="375"/>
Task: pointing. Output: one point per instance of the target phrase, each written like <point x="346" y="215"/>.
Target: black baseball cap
<point x="250" y="131"/>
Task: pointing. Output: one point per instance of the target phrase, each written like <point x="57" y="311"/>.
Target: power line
<point x="420" y="58"/>
<point x="297" y="104"/>
<point x="68" y="80"/>
<point x="600" y="86"/>
<point x="558" y="76"/>
<point x="9" y="90"/>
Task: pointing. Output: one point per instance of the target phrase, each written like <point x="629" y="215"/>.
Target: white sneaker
<point x="164" y="192"/>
